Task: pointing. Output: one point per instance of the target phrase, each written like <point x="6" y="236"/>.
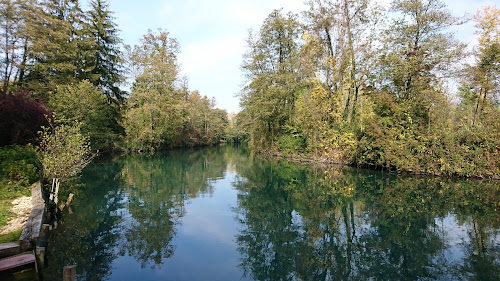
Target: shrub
<point x="290" y="144"/>
<point x="21" y="117"/>
<point x="19" y="164"/>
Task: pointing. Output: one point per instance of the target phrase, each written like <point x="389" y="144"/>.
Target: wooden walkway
<point x="23" y="260"/>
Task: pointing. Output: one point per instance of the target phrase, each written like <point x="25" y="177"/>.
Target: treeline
<point x="347" y="81"/>
<point x="60" y="62"/>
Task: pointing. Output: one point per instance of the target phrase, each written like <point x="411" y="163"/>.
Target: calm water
<point x="225" y="214"/>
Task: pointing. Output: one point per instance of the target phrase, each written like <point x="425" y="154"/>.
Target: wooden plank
<point x="17" y="261"/>
<point x="69" y="273"/>
<point x="9" y="249"/>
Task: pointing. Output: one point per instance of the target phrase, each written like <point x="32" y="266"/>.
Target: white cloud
<point x="212" y="56"/>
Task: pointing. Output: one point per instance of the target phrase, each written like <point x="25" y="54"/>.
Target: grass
<point x="11" y="236"/>
<point x="9" y="191"/>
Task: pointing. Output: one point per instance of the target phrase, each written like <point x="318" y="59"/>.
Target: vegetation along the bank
<point x="61" y="102"/>
<point x="347" y="81"/>
<point x="344" y="81"/>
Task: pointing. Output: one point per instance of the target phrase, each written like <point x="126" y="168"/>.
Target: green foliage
<point x="271" y="65"/>
<point x="395" y="142"/>
<point x="161" y="112"/>
<point x="63" y="151"/>
<point x="19" y="165"/>
<point x="236" y="131"/>
<point x="418" y="31"/>
<point x="85" y="103"/>
<point x="385" y="108"/>
<point x="105" y="53"/>
<point x="57" y="46"/>
<point x="153" y="118"/>
<point x="292" y="143"/>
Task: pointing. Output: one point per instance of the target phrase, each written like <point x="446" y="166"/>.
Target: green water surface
<point x="223" y="213"/>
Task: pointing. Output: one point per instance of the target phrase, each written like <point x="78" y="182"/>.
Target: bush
<point x="396" y="143"/>
<point x="21" y="117"/>
<point x="19" y="164"/>
<point x="290" y="144"/>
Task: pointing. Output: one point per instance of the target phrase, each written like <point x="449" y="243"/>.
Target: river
<point x="224" y="213"/>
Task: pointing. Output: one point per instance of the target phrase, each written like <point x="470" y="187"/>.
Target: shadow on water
<point x="292" y="222"/>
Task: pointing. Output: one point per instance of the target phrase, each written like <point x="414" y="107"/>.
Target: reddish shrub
<point x="21" y="117"/>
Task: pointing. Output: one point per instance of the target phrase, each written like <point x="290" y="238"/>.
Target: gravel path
<point x="22" y="208"/>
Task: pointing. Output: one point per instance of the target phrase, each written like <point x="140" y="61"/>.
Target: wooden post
<point x="44" y="235"/>
<point x="70" y="199"/>
<point x="40" y="260"/>
<point x="69" y="273"/>
<point x="61" y="206"/>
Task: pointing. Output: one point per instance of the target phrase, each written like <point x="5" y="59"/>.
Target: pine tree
<point x="106" y="55"/>
<point x="58" y="46"/>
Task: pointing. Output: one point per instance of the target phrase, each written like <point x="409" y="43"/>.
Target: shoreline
<point x="326" y="161"/>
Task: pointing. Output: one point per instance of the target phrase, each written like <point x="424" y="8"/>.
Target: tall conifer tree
<point x="106" y="55"/>
<point x="57" y="45"/>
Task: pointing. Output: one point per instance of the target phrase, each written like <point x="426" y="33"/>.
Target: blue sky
<point x="212" y="35"/>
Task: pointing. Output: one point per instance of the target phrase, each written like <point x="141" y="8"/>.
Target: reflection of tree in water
<point x="89" y="235"/>
<point x="479" y="210"/>
<point x="270" y="238"/>
<point x="329" y="224"/>
<point x="401" y="243"/>
<point x="158" y="188"/>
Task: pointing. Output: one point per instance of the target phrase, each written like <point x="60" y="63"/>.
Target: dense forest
<point x="345" y="81"/>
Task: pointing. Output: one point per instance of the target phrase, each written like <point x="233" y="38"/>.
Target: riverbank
<point x="296" y="158"/>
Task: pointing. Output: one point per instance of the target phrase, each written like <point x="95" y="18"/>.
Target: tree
<point x="271" y="67"/>
<point x="417" y="54"/>
<point x="63" y="151"/>
<point x="21" y="117"/>
<point x="154" y="111"/>
<point x="485" y="75"/>
<point x="106" y="55"/>
<point x="343" y="32"/>
<point x="86" y="104"/>
<point x="11" y="22"/>
<point x="58" y="47"/>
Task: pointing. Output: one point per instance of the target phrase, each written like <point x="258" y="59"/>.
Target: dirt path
<point x="22" y="208"/>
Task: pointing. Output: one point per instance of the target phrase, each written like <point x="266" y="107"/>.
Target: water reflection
<point x="157" y="191"/>
<point x="292" y="222"/>
<point x="342" y="224"/>
<point x="87" y="237"/>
